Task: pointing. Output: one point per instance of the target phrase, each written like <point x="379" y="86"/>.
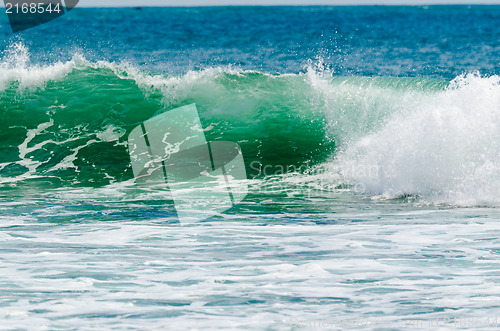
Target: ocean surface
<point x="371" y="138"/>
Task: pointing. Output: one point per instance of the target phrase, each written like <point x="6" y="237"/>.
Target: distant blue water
<point x="436" y="41"/>
<point x="390" y="115"/>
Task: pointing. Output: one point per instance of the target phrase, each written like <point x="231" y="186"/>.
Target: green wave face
<point x="68" y="123"/>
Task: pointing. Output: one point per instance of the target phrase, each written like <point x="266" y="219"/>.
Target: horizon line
<point x="81" y="5"/>
<point x="291" y="5"/>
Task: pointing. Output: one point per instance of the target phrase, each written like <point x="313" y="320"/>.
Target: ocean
<point x="371" y="143"/>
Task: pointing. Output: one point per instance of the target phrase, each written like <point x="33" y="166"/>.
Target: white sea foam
<point x="16" y="66"/>
<point x="445" y="147"/>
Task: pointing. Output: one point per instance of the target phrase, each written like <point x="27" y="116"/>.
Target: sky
<point x="160" y="3"/>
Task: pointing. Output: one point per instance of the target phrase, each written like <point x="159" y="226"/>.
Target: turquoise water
<point x="371" y="138"/>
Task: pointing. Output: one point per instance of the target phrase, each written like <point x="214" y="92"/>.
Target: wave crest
<point x="67" y="122"/>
